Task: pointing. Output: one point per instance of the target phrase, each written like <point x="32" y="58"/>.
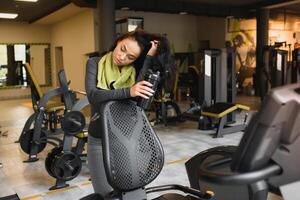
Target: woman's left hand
<point x="142" y="89"/>
<point x="153" y="49"/>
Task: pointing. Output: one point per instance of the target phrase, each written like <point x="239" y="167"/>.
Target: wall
<point x="181" y="34"/>
<point x="183" y="31"/>
<point x="212" y="29"/>
<point x="22" y="33"/>
<point x="76" y="37"/>
<point x="37" y="59"/>
<point x="79" y="30"/>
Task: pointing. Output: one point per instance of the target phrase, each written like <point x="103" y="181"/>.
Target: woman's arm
<point x="96" y="95"/>
<point x="148" y="59"/>
<point x="146" y="65"/>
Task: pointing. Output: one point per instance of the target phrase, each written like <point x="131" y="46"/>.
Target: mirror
<point x="128" y="24"/>
<point x="13" y="56"/>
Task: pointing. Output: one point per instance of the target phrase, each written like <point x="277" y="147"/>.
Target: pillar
<point x="106" y="24"/>
<point x="262" y="37"/>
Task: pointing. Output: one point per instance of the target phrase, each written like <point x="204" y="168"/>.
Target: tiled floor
<point x="31" y="181"/>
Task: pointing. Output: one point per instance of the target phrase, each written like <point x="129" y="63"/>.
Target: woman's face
<point x="126" y="52"/>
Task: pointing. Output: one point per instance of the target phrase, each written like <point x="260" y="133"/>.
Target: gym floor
<point x="31" y="181"/>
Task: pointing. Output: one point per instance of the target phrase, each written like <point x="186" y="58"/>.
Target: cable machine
<point x="216" y="93"/>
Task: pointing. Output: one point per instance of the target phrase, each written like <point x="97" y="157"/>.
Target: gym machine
<point x="166" y="109"/>
<point x="295" y="72"/>
<point x="132" y="153"/>
<point x="10" y="197"/>
<point x="276" y="65"/>
<point x="133" y="156"/>
<point x="45" y="120"/>
<point x="215" y="97"/>
<point x="266" y="160"/>
<point x="64" y="162"/>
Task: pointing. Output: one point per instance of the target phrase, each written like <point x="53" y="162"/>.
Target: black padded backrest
<point x="133" y="154"/>
<point x="67" y="97"/>
<point x="276" y="124"/>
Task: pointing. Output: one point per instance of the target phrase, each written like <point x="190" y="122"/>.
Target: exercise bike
<point x="266" y="159"/>
<point x="133" y="154"/>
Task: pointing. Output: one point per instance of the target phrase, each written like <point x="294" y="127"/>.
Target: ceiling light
<point x="183" y="13"/>
<point x="8" y="15"/>
<point x="28" y="0"/>
<point x="125" y="8"/>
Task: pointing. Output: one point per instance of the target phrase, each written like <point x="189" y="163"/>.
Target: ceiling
<point x="32" y="12"/>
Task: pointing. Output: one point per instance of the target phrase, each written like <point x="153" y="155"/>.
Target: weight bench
<point x="220" y="112"/>
<point x="52" y="109"/>
<point x="42" y="126"/>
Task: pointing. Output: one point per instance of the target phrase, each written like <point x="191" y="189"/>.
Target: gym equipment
<point x="213" y="105"/>
<point x="266" y="158"/>
<point x="10" y="197"/>
<point x="219" y="112"/>
<point x="63" y="166"/>
<point x="53" y="111"/>
<point x="276" y="65"/>
<point x="73" y="122"/>
<point x="27" y="138"/>
<point x="43" y="125"/>
<point x="64" y="162"/>
<point x="295" y="72"/>
<point x="66" y="165"/>
<point x="162" y="100"/>
<point x="133" y="155"/>
<point x="165" y="108"/>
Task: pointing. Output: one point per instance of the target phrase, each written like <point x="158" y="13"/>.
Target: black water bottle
<point x="152" y="78"/>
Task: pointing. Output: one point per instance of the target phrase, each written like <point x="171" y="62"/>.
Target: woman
<point x="113" y="77"/>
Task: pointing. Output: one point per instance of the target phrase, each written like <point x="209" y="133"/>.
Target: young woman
<point x="113" y="77"/>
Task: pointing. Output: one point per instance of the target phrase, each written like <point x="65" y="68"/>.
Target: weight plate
<point x="73" y="122"/>
<point x="66" y="166"/>
<point x="50" y="157"/>
<point x="26" y="140"/>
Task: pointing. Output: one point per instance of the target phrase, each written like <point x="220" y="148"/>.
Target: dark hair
<point x="163" y="60"/>
<point x="139" y="35"/>
<point x="142" y="39"/>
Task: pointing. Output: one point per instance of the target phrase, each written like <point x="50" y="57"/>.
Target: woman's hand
<point x="142" y="89"/>
<point x="153" y="49"/>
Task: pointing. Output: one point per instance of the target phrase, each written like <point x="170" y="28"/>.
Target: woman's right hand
<point x="154" y="45"/>
<point x="141" y="89"/>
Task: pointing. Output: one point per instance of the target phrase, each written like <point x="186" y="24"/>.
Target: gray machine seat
<point x="133" y="154"/>
<point x="266" y="158"/>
